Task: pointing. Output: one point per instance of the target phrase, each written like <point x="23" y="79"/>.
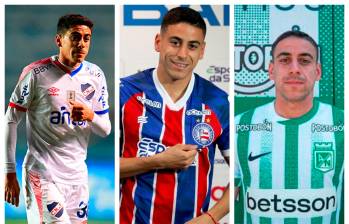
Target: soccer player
<point x="289" y="153"/>
<point x="64" y="98"/>
<point x="172" y="120"/>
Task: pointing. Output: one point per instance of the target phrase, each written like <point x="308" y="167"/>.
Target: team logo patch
<point x="53" y="91"/>
<point x="56" y="209"/>
<point x="203" y="134"/>
<point x="324" y="156"/>
<point x="87" y="90"/>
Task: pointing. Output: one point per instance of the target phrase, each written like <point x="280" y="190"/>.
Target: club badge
<point x="203" y="134"/>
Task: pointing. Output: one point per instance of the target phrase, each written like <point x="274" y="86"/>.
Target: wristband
<point x="214" y="221"/>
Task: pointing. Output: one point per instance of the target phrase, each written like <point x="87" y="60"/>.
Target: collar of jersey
<point x="304" y="118"/>
<point x="64" y="67"/>
<point x="167" y="99"/>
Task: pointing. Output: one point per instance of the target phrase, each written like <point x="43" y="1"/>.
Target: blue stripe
<point x="185" y="195"/>
<point x="102" y="111"/>
<point x="187" y="178"/>
<point x="74" y="72"/>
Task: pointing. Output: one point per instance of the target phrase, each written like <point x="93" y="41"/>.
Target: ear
<point x="157" y="42"/>
<point x="58" y="40"/>
<point x="318" y="72"/>
<point x="202" y="51"/>
<point x="271" y="70"/>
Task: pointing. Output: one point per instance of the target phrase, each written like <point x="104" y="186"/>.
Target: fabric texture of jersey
<point x="57" y="146"/>
<point x="151" y="122"/>
<point x="291" y="170"/>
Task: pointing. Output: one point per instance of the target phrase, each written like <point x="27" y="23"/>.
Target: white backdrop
<point x="140" y="24"/>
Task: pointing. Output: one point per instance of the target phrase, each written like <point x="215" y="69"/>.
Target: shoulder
<point x="93" y="69"/>
<point x="140" y="80"/>
<point x="247" y="115"/>
<point x="336" y="111"/>
<point x="209" y="89"/>
<point x="35" y="67"/>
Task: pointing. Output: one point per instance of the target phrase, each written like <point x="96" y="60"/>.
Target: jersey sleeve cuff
<point x="20" y="108"/>
<point x="10" y="167"/>
<point x="102" y="111"/>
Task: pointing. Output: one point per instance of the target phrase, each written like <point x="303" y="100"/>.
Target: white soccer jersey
<point x="291" y="169"/>
<point x="57" y="145"/>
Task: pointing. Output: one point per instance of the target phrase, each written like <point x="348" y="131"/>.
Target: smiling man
<point x="172" y="120"/>
<point x="289" y="153"/>
<point x="64" y="98"/>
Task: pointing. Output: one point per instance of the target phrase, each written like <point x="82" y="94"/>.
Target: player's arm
<point x="12" y="189"/>
<point x="218" y="211"/>
<point x="176" y="157"/>
<point x="100" y="123"/>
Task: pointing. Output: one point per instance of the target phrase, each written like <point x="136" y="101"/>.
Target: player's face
<point x="74" y="45"/>
<point x="180" y="47"/>
<point x="294" y="69"/>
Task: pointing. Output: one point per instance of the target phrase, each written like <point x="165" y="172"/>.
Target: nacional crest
<point x="203" y="134"/>
<point x="324" y="156"/>
<point x="87" y="90"/>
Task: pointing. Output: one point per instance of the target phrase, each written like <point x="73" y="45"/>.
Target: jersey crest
<point x="323" y="156"/>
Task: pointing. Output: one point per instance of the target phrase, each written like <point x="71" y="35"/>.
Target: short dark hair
<point x="298" y="34"/>
<point x="183" y="15"/>
<point x="70" y="20"/>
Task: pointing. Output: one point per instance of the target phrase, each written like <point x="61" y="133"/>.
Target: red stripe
<point x="204" y="167"/>
<point x="132" y="110"/>
<point x="13" y="105"/>
<point x="165" y="183"/>
<point x="31" y="66"/>
<point x="204" y="162"/>
<point x="34" y="180"/>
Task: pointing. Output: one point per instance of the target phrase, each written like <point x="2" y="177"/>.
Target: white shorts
<point x="49" y="202"/>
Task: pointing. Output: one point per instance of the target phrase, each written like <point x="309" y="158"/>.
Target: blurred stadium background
<point x="29" y="36"/>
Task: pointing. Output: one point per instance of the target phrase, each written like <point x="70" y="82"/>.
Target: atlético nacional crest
<point x="324" y="156"/>
<point x="203" y="134"/>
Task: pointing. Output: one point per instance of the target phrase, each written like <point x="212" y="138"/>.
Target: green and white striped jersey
<point x="291" y="170"/>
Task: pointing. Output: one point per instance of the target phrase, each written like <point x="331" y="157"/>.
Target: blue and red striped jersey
<point x="151" y="122"/>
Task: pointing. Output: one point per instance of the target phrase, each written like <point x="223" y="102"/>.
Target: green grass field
<point x="21" y="221"/>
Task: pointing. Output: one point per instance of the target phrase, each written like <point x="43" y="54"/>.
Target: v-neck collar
<point x="166" y="97"/>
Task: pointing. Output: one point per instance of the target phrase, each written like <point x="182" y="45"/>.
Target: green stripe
<point x="291" y="162"/>
<point x="265" y="168"/>
<point x="242" y="144"/>
<point x="338" y="119"/>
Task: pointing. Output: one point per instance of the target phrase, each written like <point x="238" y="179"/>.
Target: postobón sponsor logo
<point x="324" y="156"/>
<point x="290" y="203"/>
<point x="265" y="126"/>
<point x="315" y="127"/>
<point x="147" y="147"/>
<point x="148" y="102"/>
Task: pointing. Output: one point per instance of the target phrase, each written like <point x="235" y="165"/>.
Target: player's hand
<point x="178" y="157"/>
<point x="202" y="219"/>
<point x="12" y="189"/>
<point x="80" y="112"/>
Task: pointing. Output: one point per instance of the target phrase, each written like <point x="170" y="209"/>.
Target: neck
<point x="70" y="65"/>
<point x="174" y="87"/>
<point x="294" y="109"/>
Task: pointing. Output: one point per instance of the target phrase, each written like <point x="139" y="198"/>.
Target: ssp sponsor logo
<point x="290" y="203"/>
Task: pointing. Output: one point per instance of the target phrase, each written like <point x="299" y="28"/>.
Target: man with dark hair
<point x="64" y="98"/>
<point x="171" y="122"/>
<point x="289" y="153"/>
